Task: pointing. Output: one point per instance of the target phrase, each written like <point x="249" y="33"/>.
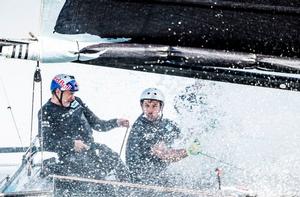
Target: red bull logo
<point x="62" y="83"/>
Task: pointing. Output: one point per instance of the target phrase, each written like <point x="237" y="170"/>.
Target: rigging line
<point x="31" y="126"/>
<point x="4" y="179"/>
<point x="221" y="161"/>
<point x="11" y="112"/>
<point x="42" y="133"/>
<point x="135" y="185"/>
<point x="31" y="117"/>
<point x="126" y="132"/>
<point x="27" y="193"/>
<point x="9" y="164"/>
<point x="36" y="78"/>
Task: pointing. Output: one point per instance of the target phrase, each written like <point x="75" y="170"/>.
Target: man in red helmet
<point x="66" y="125"/>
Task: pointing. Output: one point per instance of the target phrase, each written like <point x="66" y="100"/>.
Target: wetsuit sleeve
<point x="95" y="122"/>
<point x="172" y="132"/>
<point x="53" y="139"/>
<point x="133" y="148"/>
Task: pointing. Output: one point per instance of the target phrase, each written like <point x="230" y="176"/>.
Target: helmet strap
<point x="161" y="110"/>
<point x="59" y="98"/>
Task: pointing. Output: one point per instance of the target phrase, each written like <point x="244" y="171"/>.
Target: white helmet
<point x="152" y="94"/>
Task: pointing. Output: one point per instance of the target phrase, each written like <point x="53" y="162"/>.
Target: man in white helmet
<point x="66" y="125"/>
<point x="149" y="151"/>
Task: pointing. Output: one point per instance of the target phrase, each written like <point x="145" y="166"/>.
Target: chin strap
<point x="59" y="98"/>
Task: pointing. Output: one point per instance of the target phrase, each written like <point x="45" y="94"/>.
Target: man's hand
<point x="79" y="146"/>
<point x="194" y="148"/>
<point x="123" y="122"/>
<point x="161" y="151"/>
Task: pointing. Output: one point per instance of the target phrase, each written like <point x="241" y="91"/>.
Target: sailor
<point x="66" y="125"/>
<point x="149" y="151"/>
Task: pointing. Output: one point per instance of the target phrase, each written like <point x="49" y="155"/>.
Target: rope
<point x="11" y="112"/>
<point x="27" y="193"/>
<point x="31" y="121"/>
<point x="221" y="161"/>
<point x="121" y="149"/>
<point x="4" y="179"/>
<point x="134" y="185"/>
<point x="37" y="78"/>
<point x="9" y="164"/>
<point x="32" y="109"/>
<point x="41" y="137"/>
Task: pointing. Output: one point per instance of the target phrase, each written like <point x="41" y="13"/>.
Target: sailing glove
<point x="194" y="148"/>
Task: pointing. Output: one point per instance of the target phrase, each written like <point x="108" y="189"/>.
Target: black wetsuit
<point x="144" y="166"/>
<point x="60" y="126"/>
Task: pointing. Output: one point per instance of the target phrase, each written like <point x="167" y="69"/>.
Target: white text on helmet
<point x="62" y="83"/>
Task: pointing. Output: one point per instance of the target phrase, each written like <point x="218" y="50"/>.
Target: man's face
<point x="67" y="98"/>
<point x="151" y="109"/>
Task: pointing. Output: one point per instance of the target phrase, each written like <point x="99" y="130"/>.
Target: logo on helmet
<point x="62" y="83"/>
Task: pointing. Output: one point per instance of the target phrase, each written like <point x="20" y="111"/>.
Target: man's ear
<point x="57" y="91"/>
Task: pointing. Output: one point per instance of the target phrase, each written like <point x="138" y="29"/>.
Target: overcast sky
<point x="19" y="17"/>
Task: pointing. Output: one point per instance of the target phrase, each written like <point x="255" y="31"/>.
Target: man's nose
<point x="150" y="110"/>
